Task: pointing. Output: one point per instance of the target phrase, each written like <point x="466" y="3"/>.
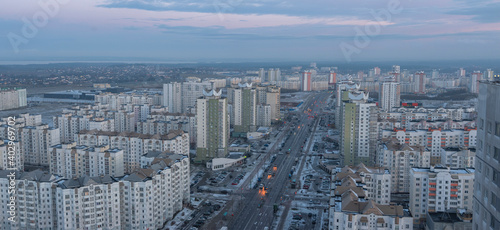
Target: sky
<point x="249" y="30"/>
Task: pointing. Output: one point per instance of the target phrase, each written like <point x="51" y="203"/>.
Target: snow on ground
<point x="298" y="207"/>
<point x="178" y="220"/>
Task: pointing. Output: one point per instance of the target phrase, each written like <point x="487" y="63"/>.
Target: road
<point x="249" y="215"/>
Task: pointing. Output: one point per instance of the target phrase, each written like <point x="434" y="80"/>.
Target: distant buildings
<point x="306" y="81"/>
<point x="212" y="118"/>
<point x="192" y="89"/>
<point x="172" y="97"/>
<point x="390" y="95"/>
<point x="474" y="81"/>
<point x="13" y="98"/>
<point x="461" y="72"/>
<point x="439" y="189"/>
<point x="487" y="182"/>
<point x="270" y="95"/>
<point x="181" y="97"/>
<point x="332" y="78"/>
<point x="419" y="80"/>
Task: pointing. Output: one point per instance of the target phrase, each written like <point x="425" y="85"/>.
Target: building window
<point x="497" y="129"/>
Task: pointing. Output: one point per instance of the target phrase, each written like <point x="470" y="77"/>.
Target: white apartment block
<point x="12" y="98"/>
<point x="350" y="207"/>
<point x="70" y="125"/>
<point x="33" y="138"/>
<point x="191" y="91"/>
<point x="243" y="115"/>
<point x="25" y="119"/>
<point x="88" y="203"/>
<point x="288" y="84"/>
<point x="369" y="215"/>
<point x="376" y="182"/>
<point x="400" y="159"/>
<point x="458" y="157"/>
<point x="102" y="124"/>
<point x="162" y="123"/>
<point x="434" y="139"/>
<point x="270" y="95"/>
<point x="264" y="115"/>
<point x="34" y="200"/>
<point x="35" y="143"/>
<point x="113" y="101"/>
<point x="135" y="145"/>
<point x="405" y="114"/>
<point x="77" y="161"/>
<point x="438" y="189"/>
<point x="145" y="199"/>
<point x="11" y="158"/>
<point x="124" y="120"/>
<point x="172" y="97"/>
<point x="390" y="95"/>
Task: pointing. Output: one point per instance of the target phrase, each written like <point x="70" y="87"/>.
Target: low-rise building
<point x="459" y="220"/>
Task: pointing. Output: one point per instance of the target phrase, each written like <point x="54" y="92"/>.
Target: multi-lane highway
<point x="256" y="210"/>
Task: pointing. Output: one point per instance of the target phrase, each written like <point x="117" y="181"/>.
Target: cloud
<point x="486" y="13"/>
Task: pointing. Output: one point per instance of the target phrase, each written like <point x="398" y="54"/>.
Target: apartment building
<point x="143" y="199"/>
<point x="375" y="181"/>
<point x="13" y="98"/>
<point x="134" y="145"/>
<point x="212" y="130"/>
<point x="358" y="128"/>
<point x="434" y="139"/>
<point x="80" y="160"/>
<point x="439" y="189"/>
<point x="154" y="126"/>
<point x="458" y="157"/>
<point x="351" y="207"/>
<point x="400" y="159"/>
<point x="486" y="213"/>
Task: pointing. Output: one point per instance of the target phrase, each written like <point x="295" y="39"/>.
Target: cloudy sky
<point x="250" y="30"/>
